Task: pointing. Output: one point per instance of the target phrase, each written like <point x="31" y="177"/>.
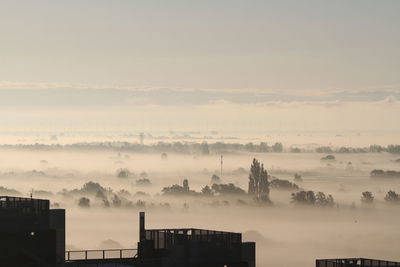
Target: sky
<point x="265" y="56"/>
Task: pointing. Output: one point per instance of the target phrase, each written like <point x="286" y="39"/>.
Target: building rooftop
<point x="31" y="206"/>
<point x="362" y="262"/>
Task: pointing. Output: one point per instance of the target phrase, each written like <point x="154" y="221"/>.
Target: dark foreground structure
<point x="33" y="235"/>
<point x="355" y="262"/>
<point x="184" y="247"/>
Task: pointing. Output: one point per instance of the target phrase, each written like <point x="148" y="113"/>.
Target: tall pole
<point x="142" y="229"/>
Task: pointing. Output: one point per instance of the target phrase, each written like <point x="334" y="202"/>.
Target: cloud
<point x="37" y="93"/>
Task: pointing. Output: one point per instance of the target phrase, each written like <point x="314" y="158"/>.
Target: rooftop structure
<point x="181" y="247"/>
<point x="355" y="262"/>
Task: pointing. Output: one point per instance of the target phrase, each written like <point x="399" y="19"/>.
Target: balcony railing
<point x="102" y="254"/>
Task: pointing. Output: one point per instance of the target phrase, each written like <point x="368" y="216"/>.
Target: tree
<point x="179" y="189"/>
<point x="329" y="158"/>
<point x="258" y="181"/>
<point x="123" y="173"/>
<point x="116" y="200"/>
<point x="206" y="191"/>
<point x="304" y="197"/>
<point x="323" y="200"/>
<point x="277" y="147"/>
<point x="367" y="197"/>
<point x="186" y="185"/>
<point x="84" y="202"/>
<point x="263" y="147"/>
<point x="392" y="197"/>
<point x="283" y="184"/>
<point x="204" y="148"/>
<point x="312" y="199"/>
<point x="227" y="189"/>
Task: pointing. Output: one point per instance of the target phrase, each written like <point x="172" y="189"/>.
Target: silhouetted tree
<point x="91" y="188"/>
<point x="116" y="200"/>
<point x="283" y="184"/>
<point x="206" y="191"/>
<point x="329" y="158"/>
<point x="392" y="197"/>
<point x="258" y="181"/>
<point x="384" y="174"/>
<point x="186" y="185"/>
<point x="277" y="147"/>
<point x="178" y="189"/>
<point x="204" y="148"/>
<point x="304" y="197"/>
<point x="323" y="200"/>
<point x="84" y="202"/>
<point x="367" y="197"/>
<point x="227" y="189"/>
<point x="123" y="173"/>
<point x="263" y="147"/>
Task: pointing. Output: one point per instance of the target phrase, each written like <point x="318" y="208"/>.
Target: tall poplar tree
<point x="258" y="181"/>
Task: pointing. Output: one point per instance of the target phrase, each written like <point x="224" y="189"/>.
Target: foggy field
<point x="286" y="234"/>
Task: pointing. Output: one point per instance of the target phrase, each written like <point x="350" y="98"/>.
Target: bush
<point x="123" y="173"/>
<point x="84" y="202"/>
<point x="328" y="158"/>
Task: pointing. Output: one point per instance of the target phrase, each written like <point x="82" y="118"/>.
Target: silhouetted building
<point x="184" y="247"/>
<point x="355" y="262"/>
<point x="194" y="247"/>
<point x="31" y="234"/>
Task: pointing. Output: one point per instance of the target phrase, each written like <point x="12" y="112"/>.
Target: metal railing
<point x="100" y="254"/>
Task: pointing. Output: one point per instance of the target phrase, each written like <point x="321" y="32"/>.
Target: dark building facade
<point x="31" y="234"/>
<point x="194" y="247"/>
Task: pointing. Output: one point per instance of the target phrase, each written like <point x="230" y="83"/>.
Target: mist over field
<point x="348" y="228"/>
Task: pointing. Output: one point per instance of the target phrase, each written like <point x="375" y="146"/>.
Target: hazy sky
<point x="202" y="44"/>
<point x="200" y="65"/>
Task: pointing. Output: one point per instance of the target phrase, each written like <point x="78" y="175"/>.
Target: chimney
<point x="142" y="231"/>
